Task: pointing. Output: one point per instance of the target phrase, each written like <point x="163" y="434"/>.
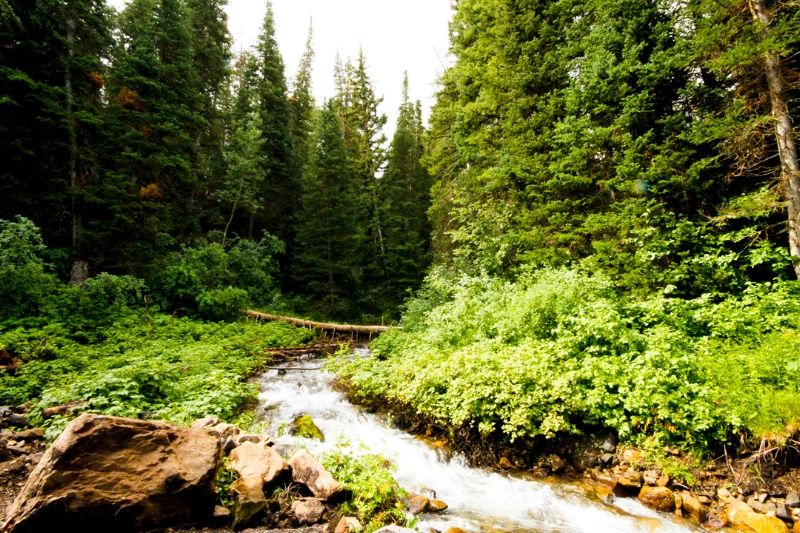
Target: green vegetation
<point x="374" y="494"/>
<point x="557" y="351"/>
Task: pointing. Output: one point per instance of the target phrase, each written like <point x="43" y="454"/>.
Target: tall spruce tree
<point x="154" y="188"/>
<point x="325" y="257"/>
<point x="302" y="104"/>
<point x="403" y="201"/>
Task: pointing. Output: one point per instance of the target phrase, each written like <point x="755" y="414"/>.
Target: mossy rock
<point x="304" y="426"/>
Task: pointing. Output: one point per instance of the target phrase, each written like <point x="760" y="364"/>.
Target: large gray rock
<point x="309" y="472"/>
<point x="115" y="474"/>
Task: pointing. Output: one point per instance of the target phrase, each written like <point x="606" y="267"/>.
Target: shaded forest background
<point x="636" y="140"/>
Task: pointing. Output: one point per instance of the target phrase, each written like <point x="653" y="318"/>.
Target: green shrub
<point x="25" y="282"/>
<point x="555" y="351"/>
<point x="374" y="495"/>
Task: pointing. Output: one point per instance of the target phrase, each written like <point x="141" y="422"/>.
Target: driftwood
<point x="335" y="328"/>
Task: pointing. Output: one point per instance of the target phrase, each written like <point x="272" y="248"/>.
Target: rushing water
<point x="479" y="500"/>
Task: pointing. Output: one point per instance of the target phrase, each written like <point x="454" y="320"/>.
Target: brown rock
<point x="348" y="524"/>
<point x="309" y="472"/>
<point x="115" y="474"/>
<point x="796" y="528"/>
<point x="258" y="460"/>
<point x="658" y="498"/>
<point x="454" y="530"/>
<point x="557" y="464"/>
<point x="247" y="437"/>
<point x="693" y="507"/>
<point x="62" y="410"/>
<point x="223" y="431"/>
<point x="663" y="481"/>
<point x="205" y="422"/>
<point x="632" y="456"/>
<point x="30" y="434"/>
<point x="417" y="504"/>
<point x="745" y="519"/>
<point x="505" y="464"/>
<point x="436" y="506"/>
<point x="308" y="511"/>
<point x="248" y="500"/>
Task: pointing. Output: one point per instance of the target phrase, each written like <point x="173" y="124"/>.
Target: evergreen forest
<point x="597" y="229"/>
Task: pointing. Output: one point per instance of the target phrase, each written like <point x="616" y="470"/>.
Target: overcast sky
<point x="396" y="35"/>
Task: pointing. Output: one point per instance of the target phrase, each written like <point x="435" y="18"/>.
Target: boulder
<point x="692" y="506"/>
<point x="436" y="506"/>
<point x="115" y="474"/>
<point x="258" y="460"/>
<point x="658" y="498"/>
<point x="248" y="500"/>
<point x="308" y="511"/>
<point x="796" y="528"/>
<point x="745" y="519"/>
<point x="309" y="472"/>
<point x="417" y="504"/>
<point x="304" y="426"/>
<point x="348" y="524"/>
<point x="205" y="422"/>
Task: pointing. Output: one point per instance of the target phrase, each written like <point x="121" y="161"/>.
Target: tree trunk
<point x="784" y="135"/>
<point x="336" y="328"/>
<point x="77" y="219"/>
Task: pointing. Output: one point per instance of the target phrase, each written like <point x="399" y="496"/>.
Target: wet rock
<point x="606" y="479"/>
<point x="304" y="426"/>
<point x="658" y="498"/>
<point x="62" y="410"/>
<point x="114" y="474"/>
<point x="417" y="504"/>
<point x="258" y="460"/>
<point x="691" y="505"/>
<point x="247" y="437"/>
<point x="30" y="435"/>
<point x="793" y="500"/>
<point x="205" y="422"/>
<point x="557" y="464"/>
<point x="308" y="511"/>
<point x="609" y="443"/>
<point x="309" y="472"/>
<point x="716" y="521"/>
<point x="630" y="479"/>
<point x="248" y="500"/>
<point x="744" y="518"/>
<point x="784" y="513"/>
<point x="348" y="524"/>
<point x="436" y="506"/>
<point x="16" y="420"/>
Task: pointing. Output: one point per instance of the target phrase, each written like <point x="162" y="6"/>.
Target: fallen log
<point x="335" y="328"/>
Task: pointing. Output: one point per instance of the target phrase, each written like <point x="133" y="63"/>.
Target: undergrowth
<point x="557" y="350"/>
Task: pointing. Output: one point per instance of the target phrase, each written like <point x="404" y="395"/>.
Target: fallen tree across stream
<point x="335" y="328"/>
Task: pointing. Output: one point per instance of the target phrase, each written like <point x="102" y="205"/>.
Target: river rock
<point x="784" y="513"/>
<point x="248" y="500"/>
<point x="692" y="506"/>
<point x="454" y="530"/>
<point x="205" y="422"/>
<point x="252" y="459"/>
<point x="557" y="464"/>
<point x="436" y="506"/>
<point x="308" y="511"/>
<point x="348" y="524"/>
<point x="248" y="437"/>
<point x="62" y="410"/>
<point x="745" y="519"/>
<point x="304" y="426"/>
<point x="17" y="420"/>
<point x="793" y="500"/>
<point x="309" y="472"/>
<point x="115" y="474"/>
<point x="30" y="435"/>
<point x="417" y="504"/>
<point x="796" y="528"/>
<point x="658" y="498"/>
<point x="609" y="443"/>
<point x="223" y="430"/>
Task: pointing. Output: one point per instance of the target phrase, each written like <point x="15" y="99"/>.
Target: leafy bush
<point x="555" y="351"/>
<point x="25" y="283"/>
<point x="218" y="283"/>
<point x="374" y="493"/>
<point x="178" y="371"/>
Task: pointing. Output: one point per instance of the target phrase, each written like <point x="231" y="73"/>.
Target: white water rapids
<point x="479" y="500"/>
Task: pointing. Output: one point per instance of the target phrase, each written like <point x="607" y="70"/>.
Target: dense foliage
<point x="557" y="351"/>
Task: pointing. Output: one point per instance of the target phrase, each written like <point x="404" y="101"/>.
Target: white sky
<point x="396" y="35"/>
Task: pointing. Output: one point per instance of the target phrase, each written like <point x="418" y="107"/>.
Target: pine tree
<point x="302" y="101"/>
<point x="325" y="256"/>
<point x="404" y="198"/>
<point x="154" y="188"/>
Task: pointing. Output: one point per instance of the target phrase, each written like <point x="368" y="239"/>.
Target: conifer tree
<point x="303" y="104"/>
<point x="325" y="256"/>
<point x="404" y="198"/>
